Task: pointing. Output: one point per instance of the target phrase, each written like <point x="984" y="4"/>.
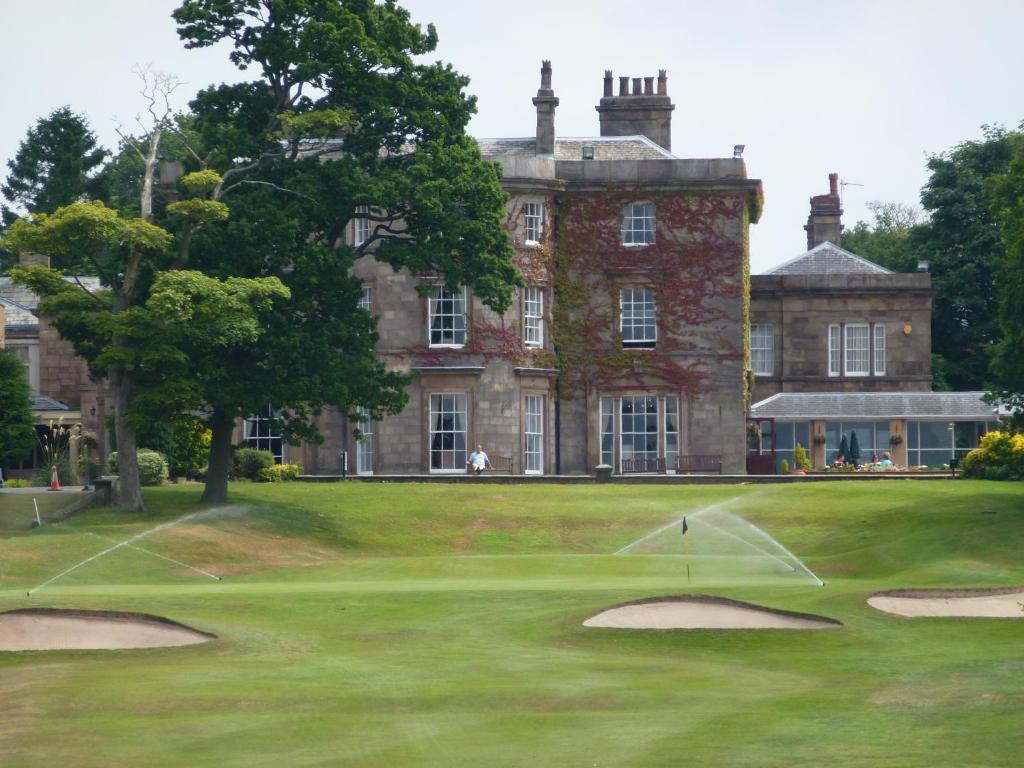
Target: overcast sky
<point x="862" y="87"/>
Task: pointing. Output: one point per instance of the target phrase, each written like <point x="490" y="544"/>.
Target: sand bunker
<point x="703" y="612"/>
<point x="999" y="603"/>
<point x="50" y="629"/>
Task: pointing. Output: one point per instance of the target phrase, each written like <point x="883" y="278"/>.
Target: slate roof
<point x="953" y="406"/>
<point x="20" y="303"/>
<point x="828" y="259"/>
<point x="44" y="403"/>
<point x="571" y="148"/>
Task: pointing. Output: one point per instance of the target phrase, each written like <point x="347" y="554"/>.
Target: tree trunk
<point x="222" y="425"/>
<point x="129" y="495"/>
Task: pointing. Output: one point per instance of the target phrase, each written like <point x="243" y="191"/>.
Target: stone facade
<point x="836" y="322"/>
<point x="597" y="397"/>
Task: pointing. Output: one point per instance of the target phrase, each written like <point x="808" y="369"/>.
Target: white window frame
<point x="437" y="407"/>
<point x="27" y="353"/>
<point x="364" y="447"/>
<point x="762" y="364"/>
<point x="533" y="222"/>
<point x="835" y="352"/>
<point x="658" y="426"/>
<point x="878" y="349"/>
<point x="533" y="316"/>
<point x="639" y="224"/>
<point x="849" y="370"/>
<point x="266" y="442"/>
<point x="670" y="436"/>
<point x="607" y="416"/>
<point x="458" y="323"/>
<point x="642" y="307"/>
<point x="361" y="225"/>
<point x="366" y="300"/>
<point x="533" y="434"/>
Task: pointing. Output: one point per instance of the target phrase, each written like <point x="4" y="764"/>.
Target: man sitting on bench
<point x="478" y="460"/>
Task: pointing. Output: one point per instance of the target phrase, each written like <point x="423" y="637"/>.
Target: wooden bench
<point x="699" y="463"/>
<point x="497" y="464"/>
<point x="646" y="466"/>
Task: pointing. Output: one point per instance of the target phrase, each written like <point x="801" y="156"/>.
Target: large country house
<point x="640" y="341"/>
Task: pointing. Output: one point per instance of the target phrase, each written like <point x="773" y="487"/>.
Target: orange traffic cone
<point x="54" y="480"/>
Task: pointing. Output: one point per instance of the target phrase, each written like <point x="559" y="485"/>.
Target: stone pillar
<point x="817" y="444"/>
<point x="898" y="427"/>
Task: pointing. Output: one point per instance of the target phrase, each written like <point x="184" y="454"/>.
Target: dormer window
<point x="533" y="222"/>
<point x="588" y="153"/>
<point x="638" y="224"/>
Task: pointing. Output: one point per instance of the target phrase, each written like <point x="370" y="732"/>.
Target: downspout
<point x="558" y="376"/>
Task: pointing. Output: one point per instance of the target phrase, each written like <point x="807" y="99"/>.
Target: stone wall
<point x="801" y="307"/>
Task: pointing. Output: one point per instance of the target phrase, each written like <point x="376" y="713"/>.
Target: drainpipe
<point x="558" y="376"/>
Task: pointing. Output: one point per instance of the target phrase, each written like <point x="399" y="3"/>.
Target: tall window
<point x="762" y="349"/>
<point x="671" y="430"/>
<point x="361" y="231"/>
<point x="364" y="448"/>
<point x="834" y="350"/>
<point x="639" y="428"/>
<point x="533" y="316"/>
<point x="260" y="432"/>
<point x="448" y="433"/>
<point x="533" y="428"/>
<point x="366" y="300"/>
<point x="637" y="317"/>
<point x="607" y="430"/>
<point x="448" y="317"/>
<point x="638" y="224"/>
<point x="24" y="355"/>
<point x="533" y="220"/>
<point x="858" y="348"/>
<point x="879" y="350"/>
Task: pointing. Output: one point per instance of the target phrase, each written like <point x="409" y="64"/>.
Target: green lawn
<point x="440" y="625"/>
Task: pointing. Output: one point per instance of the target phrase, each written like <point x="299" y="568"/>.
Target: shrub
<point x="248" y="462"/>
<point x="17" y="482"/>
<point x="280" y="473"/>
<point x="800" y="460"/>
<point x="785" y="467"/>
<point x="152" y="466"/>
<point x="999" y="456"/>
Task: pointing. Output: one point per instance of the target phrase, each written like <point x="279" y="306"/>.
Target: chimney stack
<point x="825" y="222"/>
<point x="545" y="102"/>
<point x="640" y="111"/>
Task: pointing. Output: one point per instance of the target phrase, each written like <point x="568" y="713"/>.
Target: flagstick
<point x="39" y="522"/>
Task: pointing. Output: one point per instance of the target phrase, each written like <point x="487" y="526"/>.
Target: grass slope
<point x="437" y="625"/>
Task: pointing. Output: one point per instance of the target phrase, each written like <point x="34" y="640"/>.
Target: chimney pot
<point x="545" y="74"/>
<point x="608" y="83"/>
<point x="636" y="86"/>
<point x="648" y="86"/>
<point x="662" y="82"/>
<point x="545" y="102"/>
<point x="833" y="184"/>
<point x="623" y="86"/>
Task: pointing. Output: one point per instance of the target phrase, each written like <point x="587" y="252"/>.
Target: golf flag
<point x="685" y="527"/>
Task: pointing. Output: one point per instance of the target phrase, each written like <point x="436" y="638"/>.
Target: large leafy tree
<point x="17" y="434"/>
<point x="58" y="163"/>
<point x="1006" y="193"/>
<point x="341" y="119"/>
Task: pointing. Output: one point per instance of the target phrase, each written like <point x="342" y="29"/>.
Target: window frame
<point x="433" y="302"/>
<point x="458" y="467"/>
<point x="649" y="299"/>
<point x="366" y="299"/>
<point x="658" y="432"/>
<point x="878" y="350"/>
<point x="770" y="349"/>
<point x="264" y="442"/>
<point x="858" y="373"/>
<point x="364" y="447"/>
<point x="360" y="225"/>
<point x="533" y="223"/>
<point x="835" y="349"/>
<point x="533" y="427"/>
<point x="633" y="236"/>
<point x="533" y="322"/>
